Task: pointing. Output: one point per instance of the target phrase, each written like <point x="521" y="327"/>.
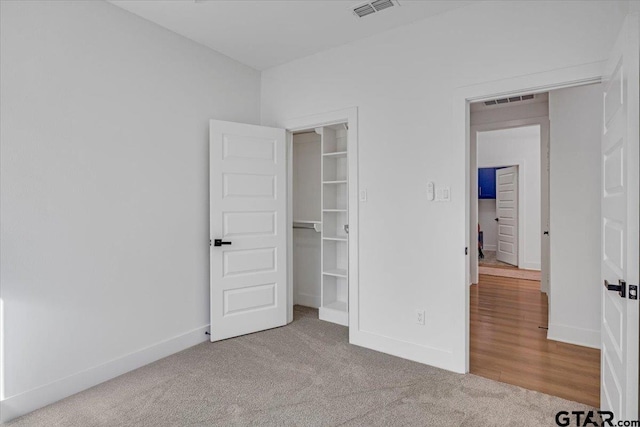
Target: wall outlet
<point x="420" y="317"/>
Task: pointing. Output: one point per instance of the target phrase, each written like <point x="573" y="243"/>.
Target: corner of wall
<point x="573" y="335"/>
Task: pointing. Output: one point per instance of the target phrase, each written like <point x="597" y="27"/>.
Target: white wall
<point x="576" y="121"/>
<point x="104" y="192"/>
<point x="504" y="113"/>
<point x="403" y="83"/>
<point x="518" y="147"/>
<point x="307" y="189"/>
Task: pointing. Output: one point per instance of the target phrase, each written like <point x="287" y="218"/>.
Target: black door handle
<point x="497" y="219"/>
<point x="546" y="233"/>
<point x="219" y="242"/>
<point x="621" y="287"/>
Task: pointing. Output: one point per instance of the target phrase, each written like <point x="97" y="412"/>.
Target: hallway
<point x="508" y="343"/>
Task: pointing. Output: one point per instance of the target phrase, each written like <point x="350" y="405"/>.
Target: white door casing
<point x="507" y="212"/>
<point x="545" y="211"/>
<point x="620" y="221"/>
<point x="248" y="207"/>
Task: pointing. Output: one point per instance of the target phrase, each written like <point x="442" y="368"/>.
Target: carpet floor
<point x="303" y="374"/>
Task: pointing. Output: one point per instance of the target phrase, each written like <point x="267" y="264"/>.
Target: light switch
<point x="446" y="194"/>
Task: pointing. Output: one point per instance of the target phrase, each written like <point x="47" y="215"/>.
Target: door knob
<point x="621" y="287"/>
<point x="497" y="219"/>
<point x="219" y="242"/>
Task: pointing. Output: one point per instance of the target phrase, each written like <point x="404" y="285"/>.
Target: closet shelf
<point x="336" y="154"/>
<point x="307" y="222"/>
<point x="335" y="182"/>
<point x="334" y="210"/>
<point x="336" y="238"/>
<point x="336" y="272"/>
<point x="336" y="305"/>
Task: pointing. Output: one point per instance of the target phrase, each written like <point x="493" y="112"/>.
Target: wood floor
<point x="509" y="344"/>
<point x="489" y="265"/>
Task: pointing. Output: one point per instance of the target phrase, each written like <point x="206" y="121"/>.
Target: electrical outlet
<point x="420" y="317"/>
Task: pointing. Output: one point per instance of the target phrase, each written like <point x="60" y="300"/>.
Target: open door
<point x="620" y="221"/>
<point x="248" y="206"/>
<point x="507" y="212"/>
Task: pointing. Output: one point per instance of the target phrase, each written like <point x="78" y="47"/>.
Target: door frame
<point x="461" y="128"/>
<point x="350" y="117"/>
<point x="543" y="122"/>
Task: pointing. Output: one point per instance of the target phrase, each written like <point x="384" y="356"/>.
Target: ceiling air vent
<point x="509" y="100"/>
<point x="364" y="10"/>
<point x="379" y="5"/>
<point x="369" y="8"/>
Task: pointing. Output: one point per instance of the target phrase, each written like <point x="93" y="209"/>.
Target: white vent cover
<point x="369" y="8"/>
<point x="509" y="100"/>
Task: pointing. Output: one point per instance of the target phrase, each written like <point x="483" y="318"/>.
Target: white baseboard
<point x="23" y="403"/>
<point x="573" y="335"/>
<point x="306" y="300"/>
<point x="530" y="266"/>
<point x="439" y="358"/>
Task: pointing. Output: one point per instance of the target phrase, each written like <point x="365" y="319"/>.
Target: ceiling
<point x="266" y="33"/>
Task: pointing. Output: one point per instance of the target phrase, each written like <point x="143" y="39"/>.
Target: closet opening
<point x="319" y="207"/>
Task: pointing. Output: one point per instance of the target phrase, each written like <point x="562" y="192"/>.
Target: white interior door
<point x="507" y="212"/>
<point x="248" y="205"/>
<point x="620" y="220"/>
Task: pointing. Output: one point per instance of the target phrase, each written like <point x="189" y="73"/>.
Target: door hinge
<point x="466" y="250"/>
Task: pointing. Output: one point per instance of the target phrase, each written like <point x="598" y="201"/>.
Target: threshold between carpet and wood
<point x="509" y="342"/>
<point x="304" y="374"/>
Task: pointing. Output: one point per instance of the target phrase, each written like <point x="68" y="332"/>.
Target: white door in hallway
<point x="620" y="221"/>
<point x="507" y="212"/>
<point x="248" y="205"/>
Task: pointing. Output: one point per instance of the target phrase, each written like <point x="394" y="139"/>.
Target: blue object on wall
<point x="487" y="183"/>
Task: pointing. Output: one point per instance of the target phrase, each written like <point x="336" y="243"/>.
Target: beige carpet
<point x="304" y="374"/>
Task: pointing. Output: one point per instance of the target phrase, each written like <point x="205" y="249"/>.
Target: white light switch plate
<point x="363" y="195"/>
<point x="443" y="194"/>
<point x="446" y="194"/>
<point x="430" y="190"/>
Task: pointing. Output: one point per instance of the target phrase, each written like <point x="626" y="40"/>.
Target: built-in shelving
<point x="335" y="239"/>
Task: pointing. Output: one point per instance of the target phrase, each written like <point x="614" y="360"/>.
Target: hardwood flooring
<point x="491" y="266"/>
<point x="509" y="344"/>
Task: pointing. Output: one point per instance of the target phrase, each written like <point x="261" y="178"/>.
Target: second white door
<point x="507" y="213"/>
